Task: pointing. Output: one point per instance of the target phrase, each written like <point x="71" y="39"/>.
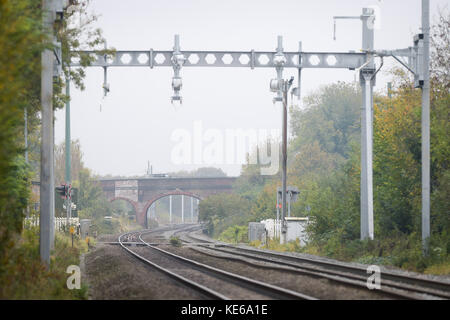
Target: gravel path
<point x="112" y="273"/>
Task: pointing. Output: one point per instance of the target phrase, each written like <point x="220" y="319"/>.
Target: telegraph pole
<point x="426" y="126"/>
<point x="46" y="179"/>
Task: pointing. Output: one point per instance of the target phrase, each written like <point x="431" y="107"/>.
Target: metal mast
<point x="68" y="164"/>
<point x="46" y="179"/>
<point x="426" y="126"/>
<point x="367" y="81"/>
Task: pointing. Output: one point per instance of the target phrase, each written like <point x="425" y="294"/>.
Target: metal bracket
<point x="151" y="57"/>
<point x="418" y="61"/>
<point x="178" y="59"/>
<point x="57" y="64"/>
<point x="414" y="55"/>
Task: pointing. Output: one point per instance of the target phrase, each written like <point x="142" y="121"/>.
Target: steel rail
<point x="196" y="286"/>
<point x="251" y="284"/>
<point x="391" y="280"/>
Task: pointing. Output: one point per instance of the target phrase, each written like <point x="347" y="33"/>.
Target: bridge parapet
<point x="142" y="193"/>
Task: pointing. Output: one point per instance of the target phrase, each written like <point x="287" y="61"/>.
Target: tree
<point x="223" y="210"/>
<point x="60" y="161"/>
<point x="20" y="46"/>
<point x="330" y="117"/>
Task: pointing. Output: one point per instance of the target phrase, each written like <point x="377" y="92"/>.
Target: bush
<point x="221" y="211"/>
<point x="23" y="276"/>
<point x="175" y="241"/>
<point x="235" y="234"/>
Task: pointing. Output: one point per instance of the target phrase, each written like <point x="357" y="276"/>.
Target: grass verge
<point x="23" y="276"/>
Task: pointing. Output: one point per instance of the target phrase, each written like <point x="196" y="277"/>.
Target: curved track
<point x="393" y="284"/>
<point x="212" y="282"/>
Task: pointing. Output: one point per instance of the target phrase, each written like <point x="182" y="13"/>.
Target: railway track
<point x="397" y="285"/>
<point x="212" y="282"/>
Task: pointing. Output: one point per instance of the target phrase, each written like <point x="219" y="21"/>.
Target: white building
<point x="296" y="228"/>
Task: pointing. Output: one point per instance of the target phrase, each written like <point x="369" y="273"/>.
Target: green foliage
<point x="331" y="118"/>
<point x="93" y="205"/>
<point x="20" y="44"/>
<point x="22" y="276"/>
<point x="76" y="33"/>
<point x="274" y="244"/>
<point x="14" y="195"/>
<point x="223" y="210"/>
<point x="175" y="241"/>
<point x="234" y="234"/>
<point x="250" y="183"/>
<point x="89" y="194"/>
<point x="398" y="249"/>
<point x="324" y="163"/>
<point x="76" y="162"/>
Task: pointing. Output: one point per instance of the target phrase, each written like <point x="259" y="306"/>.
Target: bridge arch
<point x="149" y="203"/>
<point x="133" y="203"/>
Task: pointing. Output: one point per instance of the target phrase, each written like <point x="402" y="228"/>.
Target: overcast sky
<point x="137" y="120"/>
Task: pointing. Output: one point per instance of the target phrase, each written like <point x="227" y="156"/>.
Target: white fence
<point x="273" y="228"/>
<point x="60" y="222"/>
<point x="296" y="229"/>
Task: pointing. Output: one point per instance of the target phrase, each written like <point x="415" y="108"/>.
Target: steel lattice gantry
<point x="250" y="59"/>
<point x="278" y="59"/>
<point x="178" y="59"/>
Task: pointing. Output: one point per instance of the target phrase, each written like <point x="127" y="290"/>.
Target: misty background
<point x="136" y="120"/>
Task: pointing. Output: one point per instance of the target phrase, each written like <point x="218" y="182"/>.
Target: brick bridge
<point x="142" y="193"/>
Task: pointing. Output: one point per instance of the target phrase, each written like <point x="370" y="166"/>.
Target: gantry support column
<point x="367" y="82"/>
<point x="366" y="156"/>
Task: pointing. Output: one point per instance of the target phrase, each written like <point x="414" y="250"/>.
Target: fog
<point x="135" y="122"/>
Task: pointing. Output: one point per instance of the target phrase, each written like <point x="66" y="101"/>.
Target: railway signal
<point x="62" y="190"/>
